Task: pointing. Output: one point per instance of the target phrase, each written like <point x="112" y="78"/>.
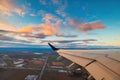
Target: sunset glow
<point x="68" y="22"/>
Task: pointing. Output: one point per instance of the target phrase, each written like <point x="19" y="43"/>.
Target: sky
<point x="65" y="23"/>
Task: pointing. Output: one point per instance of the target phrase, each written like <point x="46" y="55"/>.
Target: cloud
<point x="17" y="44"/>
<point x="86" y="41"/>
<point x="60" y="41"/>
<point x="79" y="43"/>
<point x="51" y="26"/>
<point x="49" y="18"/>
<point x="61" y="9"/>
<point x="92" y="26"/>
<point x="40" y="31"/>
<point x="26" y="29"/>
<point x="87" y="26"/>
<point x="19" y="11"/>
<point x="25" y="38"/>
<point x="6" y="26"/>
<point x="2" y="37"/>
<point x="33" y="15"/>
<point x="66" y="36"/>
<point x="71" y="41"/>
<point x="11" y="36"/>
<point x="59" y="6"/>
<point x="61" y="12"/>
<point x="7" y="7"/>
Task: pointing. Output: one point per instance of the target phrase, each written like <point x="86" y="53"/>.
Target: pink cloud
<point x="92" y="26"/>
<point x="96" y="25"/>
<point x="49" y="18"/>
<point x="7" y="7"/>
<point x="50" y="27"/>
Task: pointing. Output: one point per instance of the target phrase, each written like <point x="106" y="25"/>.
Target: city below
<point x="27" y="65"/>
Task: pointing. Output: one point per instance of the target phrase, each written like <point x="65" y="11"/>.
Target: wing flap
<point x="115" y="56"/>
<point x="100" y="72"/>
<point x="113" y="65"/>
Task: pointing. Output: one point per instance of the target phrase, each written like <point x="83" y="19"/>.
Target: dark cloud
<point x="9" y="36"/>
<point x="14" y="45"/>
<point x="89" y="40"/>
<point x="70" y="41"/>
<point x="60" y="41"/>
<point x="63" y="35"/>
<point x="6" y="38"/>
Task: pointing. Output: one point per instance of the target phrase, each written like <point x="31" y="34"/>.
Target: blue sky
<point x="68" y="22"/>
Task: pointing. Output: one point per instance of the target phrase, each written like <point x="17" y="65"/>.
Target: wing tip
<point x="53" y="48"/>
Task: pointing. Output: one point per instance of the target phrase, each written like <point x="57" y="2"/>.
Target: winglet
<point x="55" y="49"/>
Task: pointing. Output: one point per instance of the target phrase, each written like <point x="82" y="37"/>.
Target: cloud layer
<point x="51" y="26"/>
<point x="41" y="23"/>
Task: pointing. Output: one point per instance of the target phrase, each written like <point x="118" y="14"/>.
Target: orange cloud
<point x="96" y="25"/>
<point x="27" y="29"/>
<point x="49" y="29"/>
<point x="45" y="29"/>
<point x="51" y="26"/>
<point x="7" y="7"/>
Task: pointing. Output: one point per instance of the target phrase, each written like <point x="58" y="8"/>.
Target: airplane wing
<point x="101" y="64"/>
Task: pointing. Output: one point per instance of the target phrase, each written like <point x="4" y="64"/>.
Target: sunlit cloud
<point x="26" y="29"/>
<point x="8" y="7"/>
<point x="87" y="26"/>
<point x="34" y="21"/>
<point x="51" y="26"/>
